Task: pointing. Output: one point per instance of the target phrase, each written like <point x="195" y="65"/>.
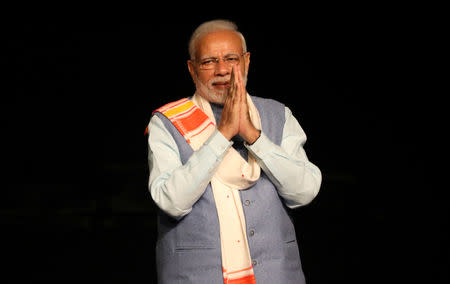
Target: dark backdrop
<point x="78" y="95"/>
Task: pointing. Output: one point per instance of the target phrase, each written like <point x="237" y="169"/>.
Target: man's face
<point x="212" y="80"/>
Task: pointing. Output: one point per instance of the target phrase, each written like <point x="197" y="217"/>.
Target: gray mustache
<point x="220" y="80"/>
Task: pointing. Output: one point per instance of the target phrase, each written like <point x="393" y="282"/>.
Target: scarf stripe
<point x="250" y="279"/>
<point x="189" y="120"/>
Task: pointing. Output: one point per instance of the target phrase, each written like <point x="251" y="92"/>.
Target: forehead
<point x="219" y="43"/>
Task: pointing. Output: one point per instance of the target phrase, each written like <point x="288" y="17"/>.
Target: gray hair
<point x="210" y="27"/>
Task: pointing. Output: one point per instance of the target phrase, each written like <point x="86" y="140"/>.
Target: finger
<point x="232" y="77"/>
<point x="232" y="89"/>
<point x="235" y="81"/>
<point x="235" y="74"/>
<point x="240" y="85"/>
<point x="232" y="92"/>
<point x="238" y="74"/>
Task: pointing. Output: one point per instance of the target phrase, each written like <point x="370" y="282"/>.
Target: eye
<point x="232" y="59"/>
<point x="208" y="61"/>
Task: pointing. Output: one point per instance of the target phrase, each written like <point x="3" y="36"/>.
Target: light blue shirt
<point x="176" y="187"/>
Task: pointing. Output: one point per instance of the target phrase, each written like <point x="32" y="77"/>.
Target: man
<point x="221" y="218"/>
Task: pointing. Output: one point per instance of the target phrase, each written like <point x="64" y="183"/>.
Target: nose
<point x="222" y="69"/>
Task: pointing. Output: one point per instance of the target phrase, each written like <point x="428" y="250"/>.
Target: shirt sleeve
<point x="287" y="166"/>
<point x="173" y="186"/>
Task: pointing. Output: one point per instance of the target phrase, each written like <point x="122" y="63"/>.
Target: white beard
<point x="209" y="93"/>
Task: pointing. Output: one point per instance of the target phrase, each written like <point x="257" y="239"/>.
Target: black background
<point x="78" y="94"/>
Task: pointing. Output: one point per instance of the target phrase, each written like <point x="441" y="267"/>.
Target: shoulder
<point x="172" y="105"/>
<point x="266" y="101"/>
<point x="268" y="105"/>
<point x="159" y="116"/>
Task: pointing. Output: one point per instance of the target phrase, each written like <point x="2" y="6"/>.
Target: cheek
<point x="204" y="78"/>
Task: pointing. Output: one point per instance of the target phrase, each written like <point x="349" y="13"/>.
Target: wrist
<point x="254" y="135"/>
<point x="225" y="133"/>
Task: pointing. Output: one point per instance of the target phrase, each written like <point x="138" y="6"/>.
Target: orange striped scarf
<point x="195" y="121"/>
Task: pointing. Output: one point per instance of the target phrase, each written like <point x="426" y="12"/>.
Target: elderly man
<point x="221" y="218"/>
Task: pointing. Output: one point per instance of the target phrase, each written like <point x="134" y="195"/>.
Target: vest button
<point x="247" y="202"/>
<point x="252" y="232"/>
<point x="254" y="262"/>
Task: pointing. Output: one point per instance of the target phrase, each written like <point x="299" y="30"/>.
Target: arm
<point x="297" y="180"/>
<point x="175" y="187"/>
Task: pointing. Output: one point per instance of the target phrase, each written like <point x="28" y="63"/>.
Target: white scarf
<point x="232" y="175"/>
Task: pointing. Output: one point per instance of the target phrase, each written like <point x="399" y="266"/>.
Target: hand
<point x="246" y="128"/>
<point x="235" y="115"/>
<point x="229" y="121"/>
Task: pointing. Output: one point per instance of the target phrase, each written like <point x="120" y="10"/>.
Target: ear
<point x="191" y="69"/>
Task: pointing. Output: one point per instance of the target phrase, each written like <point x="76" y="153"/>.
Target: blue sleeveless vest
<point x="189" y="250"/>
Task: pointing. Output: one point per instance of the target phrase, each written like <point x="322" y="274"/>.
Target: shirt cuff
<point x="261" y="147"/>
<point x="218" y="143"/>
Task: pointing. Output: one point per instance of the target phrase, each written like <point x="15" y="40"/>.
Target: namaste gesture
<point x="235" y="117"/>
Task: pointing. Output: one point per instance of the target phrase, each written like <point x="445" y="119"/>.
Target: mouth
<point x="221" y="85"/>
